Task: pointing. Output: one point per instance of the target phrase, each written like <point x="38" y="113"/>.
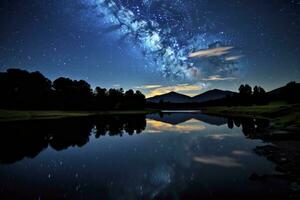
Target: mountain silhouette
<point x="212" y="95"/>
<point x="175" y="97"/>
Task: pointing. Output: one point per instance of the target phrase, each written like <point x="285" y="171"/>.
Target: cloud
<point x="193" y="73"/>
<point x="205" y="53"/>
<point x="233" y="58"/>
<point x="148" y="86"/>
<point x="240" y="153"/>
<point x="218" y="78"/>
<point x="217" y="58"/>
<point x="188" y="89"/>
<point x="221" y="136"/>
<point x="221" y="161"/>
<point x="218" y="136"/>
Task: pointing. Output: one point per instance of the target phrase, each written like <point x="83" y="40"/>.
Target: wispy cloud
<point x="148" y="86"/>
<point x="221" y="161"/>
<point x="240" y="153"/>
<point x="233" y="58"/>
<point x="218" y="78"/>
<point x="188" y="89"/>
<point x="205" y="53"/>
<point x="220" y="136"/>
<point x="116" y="85"/>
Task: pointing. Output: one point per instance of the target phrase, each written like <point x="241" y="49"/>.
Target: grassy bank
<point x="14" y="115"/>
<point x="282" y="115"/>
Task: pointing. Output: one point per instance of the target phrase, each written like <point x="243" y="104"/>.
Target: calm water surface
<point x="166" y="156"/>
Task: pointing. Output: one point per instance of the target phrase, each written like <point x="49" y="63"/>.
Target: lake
<point x="186" y="155"/>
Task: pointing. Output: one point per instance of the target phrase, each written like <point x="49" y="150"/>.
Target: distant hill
<point x="290" y="91"/>
<point x="212" y="95"/>
<point x="285" y="89"/>
<point x="175" y="97"/>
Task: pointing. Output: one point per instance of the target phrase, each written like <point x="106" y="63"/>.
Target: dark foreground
<point x="154" y="156"/>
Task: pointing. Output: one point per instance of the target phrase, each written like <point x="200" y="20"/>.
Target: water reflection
<point x="251" y="127"/>
<point x="178" y="118"/>
<point x="223" y="161"/>
<point x="211" y="159"/>
<point x="186" y="127"/>
<point x="28" y="139"/>
<point x="187" y="122"/>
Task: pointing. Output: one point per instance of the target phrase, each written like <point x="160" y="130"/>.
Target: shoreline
<point x="283" y="117"/>
<point x="29" y="115"/>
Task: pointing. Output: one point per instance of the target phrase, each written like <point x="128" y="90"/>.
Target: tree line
<point x="257" y="95"/>
<point x="246" y="96"/>
<point x="21" y="89"/>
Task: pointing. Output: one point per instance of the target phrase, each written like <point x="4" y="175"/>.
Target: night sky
<point x="156" y="46"/>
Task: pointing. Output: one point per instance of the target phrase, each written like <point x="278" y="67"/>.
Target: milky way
<point x="219" y="43"/>
<point x="165" y="32"/>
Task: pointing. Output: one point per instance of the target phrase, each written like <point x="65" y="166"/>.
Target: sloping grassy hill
<point x="281" y="114"/>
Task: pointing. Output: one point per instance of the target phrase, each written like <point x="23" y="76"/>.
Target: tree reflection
<point x="28" y="139"/>
<point x="251" y="127"/>
<point x="117" y="125"/>
<point x="230" y="123"/>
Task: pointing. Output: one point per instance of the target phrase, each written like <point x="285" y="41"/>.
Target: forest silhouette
<point x="24" y="90"/>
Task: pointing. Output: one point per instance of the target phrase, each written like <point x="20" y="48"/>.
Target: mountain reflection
<point x="28" y="139"/>
<point x="190" y="122"/>
<point x="178" y="118"/>
<point x="191" y="125"/>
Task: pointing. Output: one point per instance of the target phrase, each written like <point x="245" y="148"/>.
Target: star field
<point x="150" y="41"/>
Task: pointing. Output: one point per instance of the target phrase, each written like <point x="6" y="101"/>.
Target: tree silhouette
<point x="259" y="95"/>
<point x="139" y="100"/>
<point x="115" y="98"/>
<point x="72" y="94"/>
<point x="23" y="90"/>
<point x="291" y="92"/>
<point x="100" y="98"/>
<point x="245" y="92"/>
<point x="129" y="99"/>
